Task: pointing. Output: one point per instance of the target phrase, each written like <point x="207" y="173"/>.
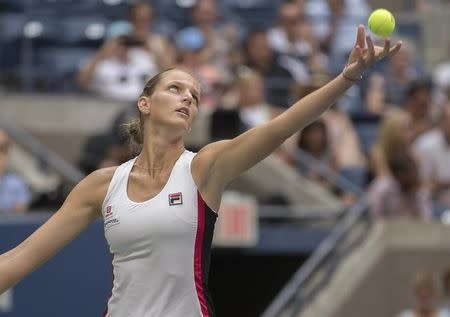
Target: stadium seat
<point x="225" y="124"/>
<point x="355" y="175"/>
<point x="178" y="12"/>
<point x="254" y="13"/>
<point x="64" y="7"/>
<point x="10" y="6"/>
<point x="42" y="29"/>
<point x="55" y="67"/>
<point x="11" y="26"/>
<point x="113" y="9"/>
<point x="83" y="31"/>
<point x="410" y="29"/>
<point x="366" y="126"/>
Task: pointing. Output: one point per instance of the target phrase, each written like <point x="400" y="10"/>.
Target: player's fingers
<point x="371" y="54"/>
<point x="360" y="35"/>
<point x="359" y="54"/>
<point x="387" y="47"/>
<point x="395" y="49"/>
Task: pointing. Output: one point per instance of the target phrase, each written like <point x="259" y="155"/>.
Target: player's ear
<point x="144" y="104"/>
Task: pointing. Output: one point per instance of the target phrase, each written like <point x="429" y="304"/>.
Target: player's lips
<point x="184" y="111"/>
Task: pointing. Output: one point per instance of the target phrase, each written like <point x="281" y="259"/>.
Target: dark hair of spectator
<point x="250" y="36"/>
<point x="135" y="128"/>
<point x="401" y="162"/>
<point x="416" y="86"/>
<point x="303" y="142"/>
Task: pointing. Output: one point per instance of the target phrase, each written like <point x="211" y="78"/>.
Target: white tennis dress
<point x="161" y="247"/>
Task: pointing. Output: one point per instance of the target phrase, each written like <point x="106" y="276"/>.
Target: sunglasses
<point x="4" y="147"/>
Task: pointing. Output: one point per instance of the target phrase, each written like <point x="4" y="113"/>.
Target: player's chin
<point x="182" y="125"/>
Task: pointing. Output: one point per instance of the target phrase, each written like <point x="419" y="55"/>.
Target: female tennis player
<point x="159" y="208"/>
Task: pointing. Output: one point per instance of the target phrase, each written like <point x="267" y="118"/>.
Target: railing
<point x="324" y="170"/>
<point x="69" y="173"/>
<point x="317" y="270"/>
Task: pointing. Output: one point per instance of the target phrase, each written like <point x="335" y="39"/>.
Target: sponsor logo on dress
<point x="110" y="219"/>
<point x="108" y="212"/>
<point x="175" y="199"/>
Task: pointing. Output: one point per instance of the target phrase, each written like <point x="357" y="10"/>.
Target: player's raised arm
<point x="232" y="157"/>
<point x="81" y="208"/>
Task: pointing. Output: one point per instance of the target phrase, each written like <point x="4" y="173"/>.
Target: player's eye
<point x="174" y="88"/>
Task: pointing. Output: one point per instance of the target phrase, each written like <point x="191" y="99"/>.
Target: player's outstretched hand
<point x="363" y="56"/>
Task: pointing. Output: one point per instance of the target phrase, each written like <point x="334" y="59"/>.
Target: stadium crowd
<point x="390" y="134"/>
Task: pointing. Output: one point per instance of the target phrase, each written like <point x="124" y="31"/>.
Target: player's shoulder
<point x="93" y="188"/>
<point x="206" y="156"/>
<point x="102" y="175"/>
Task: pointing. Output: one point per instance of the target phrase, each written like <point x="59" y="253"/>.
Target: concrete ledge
<point x="375" y="280"/>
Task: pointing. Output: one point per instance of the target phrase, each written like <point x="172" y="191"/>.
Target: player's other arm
<point x="81" y="208"/>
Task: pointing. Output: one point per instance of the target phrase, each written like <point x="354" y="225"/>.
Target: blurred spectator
<point x="253" y="108"/>
<point x="190" y="43"/>
<point x="417" y="103"/>
<point x="400" y="194"/>
<point x="425" y="293"/>
<point x="15" y="196"/>
<point x="441" y="77"/>
<point x="425" y="6"/>
<point x="344" y="139"/>
<point x="219" y="39"/>
<point x="280" y="72"/>
<point x="433" y="148"/>
<point x="446" y="289"/>
<point x="141" y="16"/>
<point x="314" y="140"/>
<point x="342" y="134"/>
<point x="387" y="87"/>
<point x="395" y="136"/>
<point x="333" y="22"/>
<point x="111" y="147"/>
<point x="120" y="67"/>
<point x="285" y="38"/>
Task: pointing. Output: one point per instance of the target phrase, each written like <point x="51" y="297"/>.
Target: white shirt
<point x="279" y="42"/>
<point x="434" y="155"/>
<point x="124" y="81"/>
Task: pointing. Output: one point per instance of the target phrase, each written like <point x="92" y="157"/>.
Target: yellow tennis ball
<point x="381" y="22"/>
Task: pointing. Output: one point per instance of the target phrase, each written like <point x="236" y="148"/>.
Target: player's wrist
<point x="350" y="76"/>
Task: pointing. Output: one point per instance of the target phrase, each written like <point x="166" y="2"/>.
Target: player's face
<point x="175" y="100"/>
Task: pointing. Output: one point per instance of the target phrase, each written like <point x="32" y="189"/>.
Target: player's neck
<point x="158" y="154"/>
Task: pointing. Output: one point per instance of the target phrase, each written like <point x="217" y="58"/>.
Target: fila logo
<point x="108" y="211"/>
<point x="175" y="199"/>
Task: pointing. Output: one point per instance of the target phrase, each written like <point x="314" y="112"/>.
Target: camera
<point x="129" y="41"/>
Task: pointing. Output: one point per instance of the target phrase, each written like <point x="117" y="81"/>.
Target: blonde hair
<point x="390" y="140"/>
<point x="424" y="280"/>
<point x="135" y="128"/>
